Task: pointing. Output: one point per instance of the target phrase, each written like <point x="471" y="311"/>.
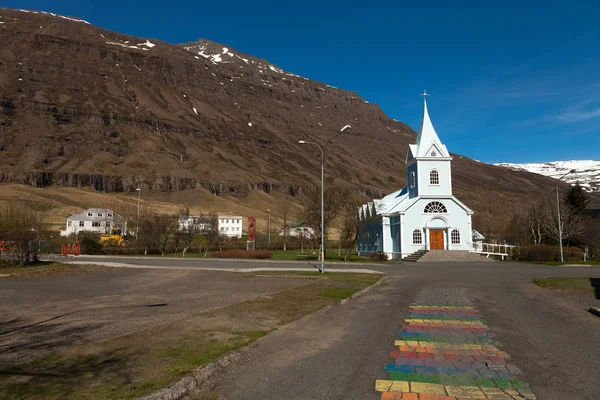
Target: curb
<point x="180" y="389"/>
<point x="595" y="311"/>
<point x="183" y="387"/>
<point x="365" y="290"/>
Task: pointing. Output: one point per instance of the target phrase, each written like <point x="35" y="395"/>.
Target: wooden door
<point x="436" y="240"/>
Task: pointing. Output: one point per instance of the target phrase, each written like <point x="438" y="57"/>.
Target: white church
<point x="423" y="216"/>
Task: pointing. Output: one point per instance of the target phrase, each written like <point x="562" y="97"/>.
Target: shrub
<point x="90" y="243"/>
<point x="377" y="256"/>
<point x="243" y="254"/>
<point x="544" y="252"/>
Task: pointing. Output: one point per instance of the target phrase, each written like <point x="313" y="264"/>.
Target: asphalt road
<point x="340" y="353"/>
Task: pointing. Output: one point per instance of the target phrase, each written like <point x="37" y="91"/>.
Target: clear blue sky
<point x="516" y="81"/>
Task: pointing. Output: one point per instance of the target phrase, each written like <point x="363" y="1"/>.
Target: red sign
<point x="251" y="226"/>
<point x="74" y="249"/>
<point x="8" y="245"/>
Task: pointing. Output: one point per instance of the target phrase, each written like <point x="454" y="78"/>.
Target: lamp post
<point x="269" y="224"/>
<point x="322" y="250"/>
<point x="558" y="216"/>
<point x="137" y="228"/>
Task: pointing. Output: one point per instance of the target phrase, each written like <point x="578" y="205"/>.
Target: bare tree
<point x="537" y="214"/>
<point x="191" y="227"/>
<point x="23" y="230"/>
<point x="572" y="226"/>
<point x="349" y="232"/>
<point x="335" y="199"/>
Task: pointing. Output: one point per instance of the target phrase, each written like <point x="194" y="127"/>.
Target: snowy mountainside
<point x="587" y="171"/>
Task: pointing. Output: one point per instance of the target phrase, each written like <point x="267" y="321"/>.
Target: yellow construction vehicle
<point x="114" y="239"/>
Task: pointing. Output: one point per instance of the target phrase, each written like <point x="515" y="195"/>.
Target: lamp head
<point x="345" y="128"/>
<point x="302" y="141"/>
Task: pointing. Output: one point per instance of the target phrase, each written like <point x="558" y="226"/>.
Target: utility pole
<point x="269" y="224"/>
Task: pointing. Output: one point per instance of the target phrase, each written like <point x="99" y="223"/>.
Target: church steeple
<point x="428" y="138"/>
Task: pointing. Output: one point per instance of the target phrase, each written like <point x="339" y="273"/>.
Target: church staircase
<point x="453" y="256"/>
<point x="416" y="256"/>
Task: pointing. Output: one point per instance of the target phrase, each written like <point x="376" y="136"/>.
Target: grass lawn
<point x="588" y="285"/>
<point x="142" y="362"/>
<point x="46" y="268"/>
<point x="568" y="262"/>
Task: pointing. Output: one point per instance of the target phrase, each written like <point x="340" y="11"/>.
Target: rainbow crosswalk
<point x="445" y="352"/>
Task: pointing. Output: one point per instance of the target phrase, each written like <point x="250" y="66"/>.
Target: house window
<point x="80" y="223"/>
<point x="434" y="177"/>
<point x="95" y="224"/>
<point x="89" y="214"/>
<point x="455" y="236"/>
<point x="99" y="214"/>
<point x="435" y="207"/>
<point x="417" y="237"/>
<point x="433" y="153"/>
<point x="412" y="179"/>
<point x="222" y="229"/>
<point x="109" y="214"/>
<point x="68" y="223"/>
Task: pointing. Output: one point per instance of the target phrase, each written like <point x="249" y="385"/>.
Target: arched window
<point x="412" y="179"/>
<point x="435" y="207"/>
<point x="433" y="153"/>
<point x="434" y="177"/>
<point x="455" y="236"/>
<point x="417" y="237"/>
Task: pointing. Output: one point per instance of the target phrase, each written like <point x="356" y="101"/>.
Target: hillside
<point x="81" y="106"/>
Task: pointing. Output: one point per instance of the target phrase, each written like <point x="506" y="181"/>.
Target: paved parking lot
<point x="39" y="315"/>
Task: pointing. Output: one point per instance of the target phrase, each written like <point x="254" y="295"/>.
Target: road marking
<point x="445" y="352"/>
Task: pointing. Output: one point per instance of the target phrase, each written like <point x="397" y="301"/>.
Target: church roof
<point x="428" y="139"/>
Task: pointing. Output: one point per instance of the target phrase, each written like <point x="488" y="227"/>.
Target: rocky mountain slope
<point x="587" y="172"/>
<point x="83" y="106"/>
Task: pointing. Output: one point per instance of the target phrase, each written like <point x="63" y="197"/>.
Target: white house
<point x="299" y="229"/>
<point x="227" y="225"/>
<point x="99" y="220"/>
<point x="230" y="226"/>
<point x="423" y="216"/>
<point x="190" y="220"/>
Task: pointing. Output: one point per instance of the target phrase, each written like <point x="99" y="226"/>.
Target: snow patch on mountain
<point x="587" y="172"/>
<point x="55" y="15"/>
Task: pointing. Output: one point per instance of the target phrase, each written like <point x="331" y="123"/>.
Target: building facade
<point x="422" y="216"/>
<point x="97" y="220"/>
<point x="230" y="226"/>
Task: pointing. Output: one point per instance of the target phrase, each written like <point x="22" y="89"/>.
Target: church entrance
<point x="436" y="239"/>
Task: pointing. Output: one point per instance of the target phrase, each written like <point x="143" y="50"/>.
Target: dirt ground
<point x="48" y="314"/>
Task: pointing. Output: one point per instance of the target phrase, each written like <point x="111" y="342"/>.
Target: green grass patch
<point x="556" y="263"/>
<point x="575" y="284"/>
<point x="337" y="294"/>
<point x="42" y="268"/>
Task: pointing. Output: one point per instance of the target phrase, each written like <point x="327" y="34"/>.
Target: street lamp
<point x="558" y="215"/>
<point x="137" y="228"/>
<point x="269" y="226"/>
<point x="322" y="255"/>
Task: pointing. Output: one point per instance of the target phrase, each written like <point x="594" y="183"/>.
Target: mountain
<point x="587" y="172"/>
<point x="81" y="106"/>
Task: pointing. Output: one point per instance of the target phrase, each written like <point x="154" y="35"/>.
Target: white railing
<point x="492" y="249"/>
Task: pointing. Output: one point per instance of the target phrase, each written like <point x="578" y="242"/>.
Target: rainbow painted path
<point x="446" y="353"/>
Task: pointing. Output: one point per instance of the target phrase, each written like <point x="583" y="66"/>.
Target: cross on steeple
<point x="425" y="94"/>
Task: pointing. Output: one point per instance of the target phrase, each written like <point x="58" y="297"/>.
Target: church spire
<point x="427" y="135"/>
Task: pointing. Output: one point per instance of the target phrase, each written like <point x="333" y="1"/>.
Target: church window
<point x="435" y="207"/>
<point x="434" y="177"/>
<point x="417" y="237"/>
<point x="412" y="179"/>
<point x="455" y="236"/>
<point x="433" y="153"/>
